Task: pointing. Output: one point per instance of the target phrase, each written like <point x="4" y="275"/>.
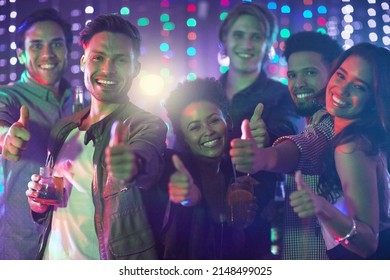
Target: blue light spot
<point x="322" y="10"/>
<point x="286" y="9"/>
<point x="307" y="14"/>
<point x="272" y="5"/>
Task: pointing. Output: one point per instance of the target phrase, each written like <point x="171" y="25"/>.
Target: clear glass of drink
<point x="240" y="201"/>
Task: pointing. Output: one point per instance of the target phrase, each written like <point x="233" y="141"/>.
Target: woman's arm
<point x="357" y="172"/>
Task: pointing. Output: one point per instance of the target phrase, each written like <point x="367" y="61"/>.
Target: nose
<point x="247" y="42"/>
<point x="208" y="129"/>
<point x="300" y="81"/>
<point x="47" y="50"/>
<point x="108" y="66"/>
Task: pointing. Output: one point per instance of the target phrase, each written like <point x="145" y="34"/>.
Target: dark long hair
<point x="371" y="130"/>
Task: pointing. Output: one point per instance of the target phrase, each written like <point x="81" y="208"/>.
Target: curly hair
<point x="190" y="91"/>
<point x="328" y="48"/>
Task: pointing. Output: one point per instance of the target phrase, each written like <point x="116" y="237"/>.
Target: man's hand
<point x="243" y="151"/>
<point x="33" y="192"/>
<point x="121" y="162"/>
<point x="17" y="137"/>
<point x="258" y="127"/>
<point x="304" y="201"/>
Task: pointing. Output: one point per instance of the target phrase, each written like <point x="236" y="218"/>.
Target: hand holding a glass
<point x="44" y="190"/>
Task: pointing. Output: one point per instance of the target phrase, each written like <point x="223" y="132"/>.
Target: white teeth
<point x="244" y="55"/>
<point x="105" y="82"/>
<point x="338" y="101"/>
<point x="47" y="66"/>
<point x="303" y="95"/>
<point x="210" y="144"/>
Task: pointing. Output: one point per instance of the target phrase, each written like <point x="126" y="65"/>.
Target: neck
<point x="208" y="165"/>
<point x="99" y="110"/>
<point x="340" y="124"/>
<point x="54" y="88"/>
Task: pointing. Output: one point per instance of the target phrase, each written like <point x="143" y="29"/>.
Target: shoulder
<point x="357" y="145"/>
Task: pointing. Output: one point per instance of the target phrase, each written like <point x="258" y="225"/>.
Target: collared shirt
<point x="18" y="233"/>
<point x="120" y="218"/>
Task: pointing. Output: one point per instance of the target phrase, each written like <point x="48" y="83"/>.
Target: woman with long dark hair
<point x="353" y="203"/>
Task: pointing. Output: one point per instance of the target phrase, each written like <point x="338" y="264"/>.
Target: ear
<point x="82" y="62"/>
<point x="21" y="56"/>
<point x="137" y="69"/>
<point x="229" y="123"/>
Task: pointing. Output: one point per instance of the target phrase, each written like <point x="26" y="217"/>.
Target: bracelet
<point x="351" y="233"/>
<point x="185" y="202"/>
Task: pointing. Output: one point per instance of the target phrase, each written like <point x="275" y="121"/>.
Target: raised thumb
<point x="24" y="117"/>
<point x="299" y="180"/>
<point x="258" y="112"/>
<point x="117" y="133"/>
<point x="245" y="130"/>
<point x="180" y="166"/>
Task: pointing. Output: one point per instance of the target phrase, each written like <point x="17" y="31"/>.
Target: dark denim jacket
<point x="121" y="223"/>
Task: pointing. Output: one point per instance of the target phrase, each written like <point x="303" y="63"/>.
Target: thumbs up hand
<point x="244" y="151"/>
<point x="258" y="128"/>
<point x="121" y="161"/>
<point x="304" y="201"/>
<point x="181" y="186"/>
<point x="17" y="137"/>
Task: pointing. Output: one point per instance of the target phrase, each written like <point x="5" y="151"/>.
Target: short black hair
<point x="313" y="41"/>
<point x="46" y="14"/>
<point x="111" y="23"/>
<point x="190" y="91"/>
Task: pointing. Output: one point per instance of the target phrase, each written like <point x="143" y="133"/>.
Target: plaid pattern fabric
<point x="302" y="238"/>
<point x="311" y="144"/>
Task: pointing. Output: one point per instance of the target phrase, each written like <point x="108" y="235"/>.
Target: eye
<point x="291" y="75"/>
<point x="340" y="75"/>
<point x="97" y="58"/>
<point x="58" y="44"/>
<point x="257" y="37"/>
<point x="238" y="34"/>
<point x="359" y="87"/>
<point x="36" y="46"/>
<point x="215" y="120"/>
<point x="311" y="73"/>
<point x="193" y="127"/>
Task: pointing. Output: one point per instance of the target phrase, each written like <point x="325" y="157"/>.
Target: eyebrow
<point x="303" y="69"/>
<point x="41" y="40"/>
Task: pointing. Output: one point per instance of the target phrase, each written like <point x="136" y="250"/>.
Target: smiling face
<point x="204" y="129"/>
<point x="109" y="66"/>
<point x="45" y="54"/>
<point x="350" y="88"/>
<point x="246" y="44"/>
<point x="307" y="75"/>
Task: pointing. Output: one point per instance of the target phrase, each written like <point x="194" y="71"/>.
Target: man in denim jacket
<point x="102" y="215"/>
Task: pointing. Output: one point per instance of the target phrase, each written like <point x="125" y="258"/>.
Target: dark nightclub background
<point x="180" y="37"/>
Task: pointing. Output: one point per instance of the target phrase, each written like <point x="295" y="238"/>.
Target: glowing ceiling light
<point x="151" y="84"/>
<point x="373" y="37"/>
<point x="371" y="12"/>
<point x="89" y="10"/>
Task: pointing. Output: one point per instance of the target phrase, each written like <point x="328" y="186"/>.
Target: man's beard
<point x="307" y="110"/>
